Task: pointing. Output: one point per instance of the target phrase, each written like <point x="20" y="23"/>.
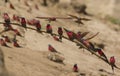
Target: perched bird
<point x="51" y="48"/>
<point x="75" y="68"/>
<point x="60" y="32"/>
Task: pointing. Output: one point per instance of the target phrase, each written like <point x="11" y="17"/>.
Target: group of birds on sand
<point x="71" y="35"/>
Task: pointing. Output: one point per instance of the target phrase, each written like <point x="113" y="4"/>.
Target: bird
<point x="79" y="19"/>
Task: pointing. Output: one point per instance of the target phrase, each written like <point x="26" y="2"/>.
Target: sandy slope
<point x="31" y="60"/>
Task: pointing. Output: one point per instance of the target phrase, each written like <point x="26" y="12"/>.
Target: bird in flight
<point x="79" y="19"/>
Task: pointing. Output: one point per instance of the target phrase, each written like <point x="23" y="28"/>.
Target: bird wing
<point x="63" y="17"/>
<point x="84" y="34"/>
<point x="73" y="16"/>
<point x="92" y="36"/>
<point x="43" y="17"/>
<point x="86" y="19"/>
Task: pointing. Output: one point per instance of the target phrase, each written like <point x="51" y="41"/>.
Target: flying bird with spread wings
<point x="79" y="19"/>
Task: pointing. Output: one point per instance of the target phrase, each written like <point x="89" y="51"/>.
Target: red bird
<point x="15" y="44"/>
<point x="38" y="25"/>
<point x="2" y="42"/>
<point x="6" y="38"/>
<point x="75" y="68"/>
<point x="51" y="49"/>
<point x="16" y="18"/>
<point x="55" y="38"/>
<point x="101" y="53"/>
<point x="23" y="22"/>
<point x="7" y="27"/>
<point x="6" y="18"/>
<point x="71" y="35"/>
<point x="17" y="32"/>
<point x="78" y="36"/>
<point x="112" y="62"/>
<point x="60" y="32"/>
<point x="49" y="29"/>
